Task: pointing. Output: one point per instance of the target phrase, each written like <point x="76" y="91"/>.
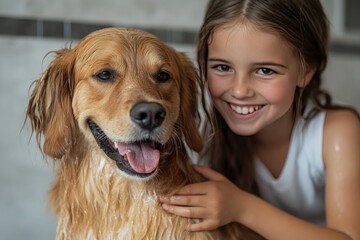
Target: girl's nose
<point x="241" y="87"/>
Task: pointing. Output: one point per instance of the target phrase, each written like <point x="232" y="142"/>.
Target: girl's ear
<point x="304" y="81"/>
<point x="49" y="108"/>
<point x="189" y="104"/>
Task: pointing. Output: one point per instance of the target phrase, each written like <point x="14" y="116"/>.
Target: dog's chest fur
<point x="99" y="203"/>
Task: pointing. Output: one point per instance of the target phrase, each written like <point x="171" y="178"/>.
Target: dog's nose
<point x="148" y="115"/>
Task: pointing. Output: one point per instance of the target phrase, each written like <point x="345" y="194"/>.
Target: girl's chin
<point x="243" y="130"/>
<point x="243" y="133"/>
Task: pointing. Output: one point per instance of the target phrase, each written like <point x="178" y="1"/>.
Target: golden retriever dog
<point x="116" y="113"/>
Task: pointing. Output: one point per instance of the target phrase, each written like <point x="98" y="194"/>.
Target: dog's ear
<point x="49" y="108"/>
<point x="189" y="104"/>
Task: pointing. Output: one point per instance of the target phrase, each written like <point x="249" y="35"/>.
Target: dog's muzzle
<point x="136" y="158"/>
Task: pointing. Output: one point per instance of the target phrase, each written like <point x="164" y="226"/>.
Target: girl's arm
<point x="341" y="153"/>
<point x="218" y="201"/>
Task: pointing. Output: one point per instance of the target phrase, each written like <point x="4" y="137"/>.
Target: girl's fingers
<point x="190" y="212"/>
<point x="202" y="187"/>
<point x="182" y="200"/>
<point x="194" y="189"/>
<point x="208" y="173"/>
<point x="201" y="226"/>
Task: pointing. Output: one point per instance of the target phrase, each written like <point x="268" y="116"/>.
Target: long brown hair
<point x="304" y="25"/>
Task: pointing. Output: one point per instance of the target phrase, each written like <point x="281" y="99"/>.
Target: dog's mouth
<point x="140" y="158"/>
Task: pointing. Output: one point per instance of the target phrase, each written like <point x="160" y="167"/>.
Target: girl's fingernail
<point x="162" y="198"/>
<point x="165" y="206"/>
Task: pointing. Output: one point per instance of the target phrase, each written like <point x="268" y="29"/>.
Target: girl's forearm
<point x="273" y="223"/>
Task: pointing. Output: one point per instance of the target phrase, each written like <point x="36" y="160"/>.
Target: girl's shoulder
<point x="340" y="120"/>
<point x="341" y="136"/>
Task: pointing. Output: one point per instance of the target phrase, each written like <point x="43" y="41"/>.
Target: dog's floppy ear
<point x="189" y="104"/>
<point x="49" y="108"/>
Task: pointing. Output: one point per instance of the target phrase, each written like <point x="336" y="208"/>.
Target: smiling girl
<point x="284" y="160"/>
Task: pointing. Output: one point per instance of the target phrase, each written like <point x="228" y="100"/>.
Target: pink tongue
<point x="143" y="158"/>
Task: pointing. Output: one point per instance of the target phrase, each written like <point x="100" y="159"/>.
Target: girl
<point x="287" y="160"/>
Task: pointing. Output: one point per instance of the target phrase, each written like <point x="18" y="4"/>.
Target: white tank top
<point x="300" y="188"/>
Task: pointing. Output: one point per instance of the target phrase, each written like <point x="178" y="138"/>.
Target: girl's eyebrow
<point x="217" y="60"/>
<point x="269" y="64"/>
<point x="259" y="64"/>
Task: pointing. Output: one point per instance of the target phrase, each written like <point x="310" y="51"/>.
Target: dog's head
<point x="123" y="89"/>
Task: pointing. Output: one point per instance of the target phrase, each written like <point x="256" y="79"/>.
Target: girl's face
<point x="252" y="76"/>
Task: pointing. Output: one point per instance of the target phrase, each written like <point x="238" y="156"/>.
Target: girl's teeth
<point x="244" y="110"/>
<point x="238" y="109"/>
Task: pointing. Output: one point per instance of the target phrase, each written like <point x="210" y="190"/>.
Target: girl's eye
<point x="105" y="76"/>
<point x="265" y="71"/>
<point x="223" y="68"/>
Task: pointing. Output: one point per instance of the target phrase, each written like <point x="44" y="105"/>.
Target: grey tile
<point x="13" y="26"/>
<point x="80" y="30"/>
<point x="352" y="17"/>
<point x="53" y="29"/>
<point x="340" y="47"/>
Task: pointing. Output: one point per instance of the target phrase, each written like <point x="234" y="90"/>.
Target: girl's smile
<point x="252" y="77"/>
<point x="245" y="111"/>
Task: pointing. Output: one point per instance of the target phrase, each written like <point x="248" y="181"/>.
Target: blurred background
<point x="31" y="28"/>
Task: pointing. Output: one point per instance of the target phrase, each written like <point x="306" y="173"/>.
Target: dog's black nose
<point x="148" y="115"/>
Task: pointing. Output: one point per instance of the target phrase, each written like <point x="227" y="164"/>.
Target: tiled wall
<point x="31" y="28"/>
<point x="38" y="27"/>
<point x="184" y="14"/>
<point x="172" y="21"/>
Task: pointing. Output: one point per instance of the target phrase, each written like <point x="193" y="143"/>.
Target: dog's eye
<point x="163" y="76"/>
<point x="105" y="76"/>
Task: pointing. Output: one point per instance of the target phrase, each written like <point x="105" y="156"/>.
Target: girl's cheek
<point x="214" y="86"/>
<point x="280" y="94"/>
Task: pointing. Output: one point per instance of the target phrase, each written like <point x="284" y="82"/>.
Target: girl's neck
<point x="271" y="145"/>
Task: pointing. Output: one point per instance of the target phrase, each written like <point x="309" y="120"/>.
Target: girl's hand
<point x="215" y="202"/>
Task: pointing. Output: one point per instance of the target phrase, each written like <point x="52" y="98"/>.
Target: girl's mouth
<point x="245" y="110"/>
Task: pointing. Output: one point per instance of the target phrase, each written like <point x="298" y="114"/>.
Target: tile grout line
<point x="67" y="29"/>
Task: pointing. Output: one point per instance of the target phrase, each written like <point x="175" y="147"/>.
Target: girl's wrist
<point x="246" y="207"/>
